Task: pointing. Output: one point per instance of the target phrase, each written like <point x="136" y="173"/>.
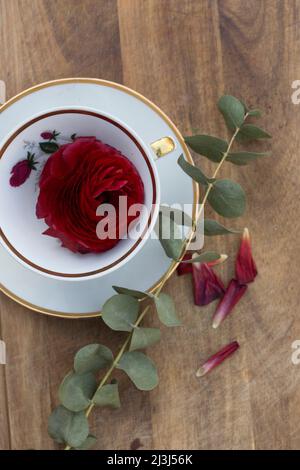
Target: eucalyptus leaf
<point x="76" y="390"/>
<point x="243" y="158"/>
<point x="227" y="198"/>
<point x="133" y="293"/>
<point x="120" y="312"/>
<point x="180" y="217"/>
<point x="210" y="147"/>
<point x="67" y="427"/>
<point x="140" y="369"/>
<point x="254" y="112"/>
<point x="88" y="443"/>
<point x="212" y="228"/>
<point x="169" y="236"/>
<point x="194" y="172"/>
<point x="144" y="337"/>
<point x="49" y="147"/>
<point x="205" y="257"/>
<point x="233" y="111"/>
<point x="251" y="132"/>
<point x="166" y="310"/>
<point x="108" y="395"/>
<point x="92" y="358"/>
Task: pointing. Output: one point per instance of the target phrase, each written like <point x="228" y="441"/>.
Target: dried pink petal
<point x="220" y="260"/>
<point x="207" y="285"/>
<point x="232" y="295"/>
<point x="218" y="358"/>
<point x="185" y="268"/>
<point x="245" y="267"/>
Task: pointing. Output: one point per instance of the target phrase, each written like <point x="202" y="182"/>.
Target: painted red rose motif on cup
<point x="76" y="180"/>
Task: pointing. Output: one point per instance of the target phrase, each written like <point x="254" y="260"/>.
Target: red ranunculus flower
<point x="76" y="179"/>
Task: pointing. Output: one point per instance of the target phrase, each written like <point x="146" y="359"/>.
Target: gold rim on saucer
<point x="149" y="103"/>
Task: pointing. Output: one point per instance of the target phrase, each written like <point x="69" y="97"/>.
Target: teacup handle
<point x="2" y="92"/>
<point x="163" y="146"/>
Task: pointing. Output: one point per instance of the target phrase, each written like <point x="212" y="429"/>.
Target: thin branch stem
<point x="163" y="280"/>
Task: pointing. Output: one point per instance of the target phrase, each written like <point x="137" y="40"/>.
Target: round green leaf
<point x="120" y="312"/>
<point x="67" y="427"/>
<point x="194" y="172"/>
<point x="243" y="158"/>
<point x="227" y="198"/>
<point x="205" y="257"/>
<point x="108" y="395"/>
<point x="212" y="228"/>
<point x="76" y="390"/>
<point x="210" y="147"/>
<point x="144" y="337"/>
<point x="166" y="310"/>
<point x="133" y="293"/>
<point x="233" y="111"/>
<point x="251" y="132"/>
<point x="92" y="358"/>
<point x="169" y="236"/>
<point x="140" y="369"/>
<point x="88" y="443"/>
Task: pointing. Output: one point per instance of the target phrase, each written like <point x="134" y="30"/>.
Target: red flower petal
<point x="207" y="285"/>
<point x="231" y="297"/>
<point x="76" y="179"/>
<point x="20" y="173"/>
<point x="185" y="268"/>
<point x="245" y="268"/>
<point x="218" y="358"/>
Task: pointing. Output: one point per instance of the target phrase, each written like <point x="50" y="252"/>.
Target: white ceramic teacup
<point x="21" y="231"/>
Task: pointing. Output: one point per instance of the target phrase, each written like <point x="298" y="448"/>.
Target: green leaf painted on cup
<point x="166" y="310"/>
<point x="140" y="369"/>
<point x="67" y="427"/>
<point x="144" y="337"/>
<point x="210" y="147"/>
<point x="49" y="147"/>
<point x="76" y="390"/>
<point x="227" y="198"/>
<point x="120" y="312"/>
<point x="233" y="111"/>
<point x="108" y="395"/>
<point x="92" y="358"/>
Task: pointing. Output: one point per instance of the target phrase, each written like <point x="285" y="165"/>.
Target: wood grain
<point x="182" y="54"/>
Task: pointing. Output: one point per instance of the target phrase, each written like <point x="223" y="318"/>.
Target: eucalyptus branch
<point x="79" y="392"/>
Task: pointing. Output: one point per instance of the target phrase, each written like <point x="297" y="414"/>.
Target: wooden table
<point x="183" y="55"/>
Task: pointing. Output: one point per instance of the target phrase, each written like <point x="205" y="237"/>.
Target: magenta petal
<point x="232" y="295"/>
<point x="47" y="135"/>
<point x="207" y="285"/>
<point x="218" y="358"/>
<point x="245" y="268"/>
<point x="185" y="268"/>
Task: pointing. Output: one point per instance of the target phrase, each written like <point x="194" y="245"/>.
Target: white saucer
<point x="143" y="272"/>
